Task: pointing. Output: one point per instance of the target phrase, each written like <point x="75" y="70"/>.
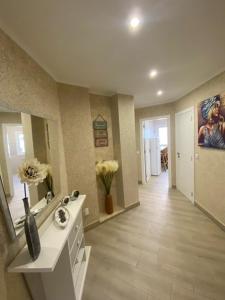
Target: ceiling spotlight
<point x="159" y="93"/>
<point x="134" y="23"/>
<point x="153" y="73"/>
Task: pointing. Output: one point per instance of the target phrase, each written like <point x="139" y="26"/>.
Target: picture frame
<point x="101" y="133"/>
<point x="211" y="122"/>
<point x="101" y="142"/>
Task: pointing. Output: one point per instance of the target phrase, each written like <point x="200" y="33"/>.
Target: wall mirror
<point x="25" y="136"/>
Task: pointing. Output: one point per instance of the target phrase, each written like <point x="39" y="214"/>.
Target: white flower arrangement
<point x="105" y="170"/>
<point x="32" y="172"/>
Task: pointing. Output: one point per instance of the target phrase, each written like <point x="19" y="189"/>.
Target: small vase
<point x="31" y="232"/>
<point x="108" y="204"/>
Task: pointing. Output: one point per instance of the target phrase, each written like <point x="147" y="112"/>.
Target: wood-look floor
<point x="164" y="249"/>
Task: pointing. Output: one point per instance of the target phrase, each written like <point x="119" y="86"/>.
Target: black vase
<point x="31" y="232"/>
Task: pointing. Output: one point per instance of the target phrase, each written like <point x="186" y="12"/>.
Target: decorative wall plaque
<point x="100" y="132"/>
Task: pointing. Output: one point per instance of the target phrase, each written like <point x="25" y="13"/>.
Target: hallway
<point x="164" y="249"/>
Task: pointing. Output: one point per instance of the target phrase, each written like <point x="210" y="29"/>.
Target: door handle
<point x="178" y="154"/>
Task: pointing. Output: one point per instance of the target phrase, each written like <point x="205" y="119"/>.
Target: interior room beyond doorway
<point x="155" y="141"/>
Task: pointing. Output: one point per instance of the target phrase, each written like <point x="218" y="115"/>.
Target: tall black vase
<point x="31" y="232"/>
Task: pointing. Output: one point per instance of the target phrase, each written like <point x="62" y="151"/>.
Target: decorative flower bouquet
<point x="31" y="172"/>
<point x="106" y="170"/>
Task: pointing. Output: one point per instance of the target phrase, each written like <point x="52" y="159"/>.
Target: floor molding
<point x="91" y="225"/>
<point x="218" y="223"/>
<point x="97" y="223"/>
<point x="133" y="205"/>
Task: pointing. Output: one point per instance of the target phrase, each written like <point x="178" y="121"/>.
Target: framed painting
<point x="211" y="122"/>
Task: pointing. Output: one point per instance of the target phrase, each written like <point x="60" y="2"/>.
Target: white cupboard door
<point x="184" y="134"/>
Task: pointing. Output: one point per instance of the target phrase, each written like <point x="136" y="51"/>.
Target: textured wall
<point x="103" y="105"/>
<point x="210" y="168"/>
<point x="78" y="145"/>
<point x="124" y="147"/>
<point x="24" y="86"/>
<point x="151" y="112"/>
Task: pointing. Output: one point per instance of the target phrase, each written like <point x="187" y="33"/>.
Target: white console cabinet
<point x="60" y="270"/>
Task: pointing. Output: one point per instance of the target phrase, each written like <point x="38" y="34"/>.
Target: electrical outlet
<point x="86" y="211"/>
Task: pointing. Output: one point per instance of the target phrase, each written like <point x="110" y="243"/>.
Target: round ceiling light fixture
<point x="153" y="73"/>
<point x="134" y="23"/>
<point x="159" y="93"/>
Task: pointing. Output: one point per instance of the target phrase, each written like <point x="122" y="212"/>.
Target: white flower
<point x="107" y="166"/>
<point x="113" y="166"/>
<point x="32" y="172"/>
<point x="105" y="170"/>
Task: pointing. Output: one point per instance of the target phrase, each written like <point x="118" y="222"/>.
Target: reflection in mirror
<point x="24" y="136"/>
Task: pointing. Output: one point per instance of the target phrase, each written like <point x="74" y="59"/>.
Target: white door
<point x="147" y="159"/>
<point x="184" y="127"/>
<point x="155" y="157"/>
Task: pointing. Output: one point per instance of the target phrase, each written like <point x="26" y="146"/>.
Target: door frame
<point x="191" y="109"/>
<point x="168" y="117"/>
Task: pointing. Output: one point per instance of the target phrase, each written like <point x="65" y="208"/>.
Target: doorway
<point x="184" y="132"/>
<point x="13" y="147"/>
<point x="155" y="150"/>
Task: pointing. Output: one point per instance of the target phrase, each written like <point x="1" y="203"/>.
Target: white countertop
<point x="52" y="241"/>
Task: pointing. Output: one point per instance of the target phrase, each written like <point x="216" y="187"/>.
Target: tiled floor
<point x="164" y="249"/>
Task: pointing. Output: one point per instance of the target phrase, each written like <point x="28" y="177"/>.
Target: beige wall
<point x="24" y="86"/>
<point x="210" y="168"/>
<point x="103" y="105"/>
<point x="152" y="112"/>
<point x="79" y="146"/>
<point x="124" y="149"/>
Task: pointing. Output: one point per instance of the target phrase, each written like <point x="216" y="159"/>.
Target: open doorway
<point x="13" y="153"/>
<point x="156" y="150"/>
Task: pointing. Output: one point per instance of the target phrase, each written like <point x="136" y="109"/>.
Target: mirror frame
<point x="6" y="212"/>
<point x="3" y="200"/>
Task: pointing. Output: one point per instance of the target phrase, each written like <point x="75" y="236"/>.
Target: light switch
<point x="196" y="156"/>
<point x="86" y="211"/>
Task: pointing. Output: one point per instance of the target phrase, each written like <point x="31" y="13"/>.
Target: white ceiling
<point x="88" y="43"/>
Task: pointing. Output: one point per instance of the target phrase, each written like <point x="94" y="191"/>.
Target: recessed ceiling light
<point x="153" y="73"/>
<point x="159" y="93"/>
<point x="134" y="22"/>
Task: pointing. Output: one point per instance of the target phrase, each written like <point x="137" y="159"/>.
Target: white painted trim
<point x="168" y="117"/>
<point x="7" y="159"/>
<point x="189" y="109"/>
<point x="142" y="153"/>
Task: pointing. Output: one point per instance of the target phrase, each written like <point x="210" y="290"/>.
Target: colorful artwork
<point x="211" y="122"/>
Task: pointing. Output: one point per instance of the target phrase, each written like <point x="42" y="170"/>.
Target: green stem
<point x="107" y="181"/>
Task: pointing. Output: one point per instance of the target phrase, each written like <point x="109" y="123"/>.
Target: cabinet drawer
<point x="77" y="265"/>
<point x="74" y="231"/>
<point x="76" y="247"/>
